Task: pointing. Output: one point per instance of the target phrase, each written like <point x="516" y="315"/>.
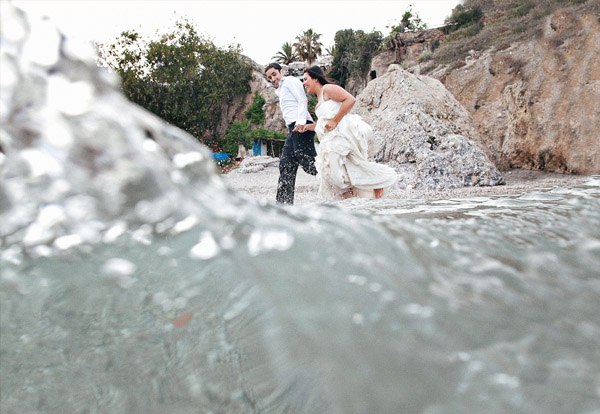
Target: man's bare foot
<point x="378" y="192"/>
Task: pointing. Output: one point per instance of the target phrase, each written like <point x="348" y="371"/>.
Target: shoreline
<point x="262" y="186"/>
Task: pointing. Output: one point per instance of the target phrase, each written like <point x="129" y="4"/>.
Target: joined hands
<point x="304" y="128"/>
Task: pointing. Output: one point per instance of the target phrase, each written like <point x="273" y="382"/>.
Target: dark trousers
<point x="298" y="150"/>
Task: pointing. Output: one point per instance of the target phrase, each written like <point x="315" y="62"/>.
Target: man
<point x="299" y="148"/>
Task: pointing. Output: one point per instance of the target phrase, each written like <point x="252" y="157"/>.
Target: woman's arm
<point x="339" y="94"/>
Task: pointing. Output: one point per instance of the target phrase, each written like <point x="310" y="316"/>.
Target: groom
<point x="299" y="148"/>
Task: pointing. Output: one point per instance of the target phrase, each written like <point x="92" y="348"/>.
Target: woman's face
<point x="309" y="83"/>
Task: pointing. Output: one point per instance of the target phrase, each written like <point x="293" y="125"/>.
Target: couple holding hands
<point x="346" y="140"/>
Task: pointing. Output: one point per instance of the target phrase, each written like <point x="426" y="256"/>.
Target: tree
<point x="352" y="54"/>
<point x="307" y="46"/>
<point x="286" y="55"/>
<point x="180" y="77"/>
<point x="410" y="22"/>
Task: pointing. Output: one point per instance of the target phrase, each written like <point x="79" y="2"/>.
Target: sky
<point x="259" y="27"/>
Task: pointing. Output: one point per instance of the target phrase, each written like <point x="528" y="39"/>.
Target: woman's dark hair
<point x="316" y="72"/>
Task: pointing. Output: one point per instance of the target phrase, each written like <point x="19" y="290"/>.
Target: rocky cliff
<point x="535" y="103"/>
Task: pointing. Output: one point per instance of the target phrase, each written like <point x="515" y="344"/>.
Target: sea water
<point x="483" y="304"/>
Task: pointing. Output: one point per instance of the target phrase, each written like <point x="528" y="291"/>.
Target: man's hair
<point x="276" y="66"/>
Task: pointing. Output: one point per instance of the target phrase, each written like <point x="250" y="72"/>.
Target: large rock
<point x="424" y="132"/>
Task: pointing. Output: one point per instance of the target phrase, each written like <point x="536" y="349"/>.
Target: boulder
<point x="424" y="132"/>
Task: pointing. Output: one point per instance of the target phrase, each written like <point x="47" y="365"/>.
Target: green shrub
<point x="523" y="9"/>
<point x="425" y="55"/>
<point x="241" y="132"/>
<point x="255" y="113"/>
<point x="410" y="22"/>
<point x="463" y="17"/>
<point x="238" y="133"/>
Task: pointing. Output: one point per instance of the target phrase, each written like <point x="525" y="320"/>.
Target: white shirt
<point x="293" y="101"/>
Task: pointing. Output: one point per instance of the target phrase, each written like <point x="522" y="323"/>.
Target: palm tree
<point x="307" y="46"/>
<point x="286" y="55"/>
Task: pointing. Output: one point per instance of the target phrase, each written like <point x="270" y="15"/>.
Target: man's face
<point x="274" y="76"/>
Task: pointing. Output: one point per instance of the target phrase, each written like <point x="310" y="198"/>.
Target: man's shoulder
<point x="292" y="79"/>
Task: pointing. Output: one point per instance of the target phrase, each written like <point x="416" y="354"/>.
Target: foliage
<point x="286" y="55"/>
<point x="410" y="22"/>
<point x="308" y="46"/>
<point x="462" y="17"/>
<point x="425" y="55"/>
<point x="246" y="132"/>
<point x="180" y="77"/>
<point x="241" y="132"/>
<point x="255" y="112"/>
<point x="352" y="54"/>
<point x="486" y="24"/>
<point x="238" y="133"/>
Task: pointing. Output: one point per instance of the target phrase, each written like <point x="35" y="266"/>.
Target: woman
<point x="345" y="144"/>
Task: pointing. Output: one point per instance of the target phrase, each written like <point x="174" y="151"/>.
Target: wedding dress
<point x="343" y="159"/>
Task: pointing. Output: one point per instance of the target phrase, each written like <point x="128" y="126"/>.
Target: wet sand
<point x="262" y="185"/>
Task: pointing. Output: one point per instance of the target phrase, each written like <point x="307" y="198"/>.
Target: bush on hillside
<point x="500" y="24"/>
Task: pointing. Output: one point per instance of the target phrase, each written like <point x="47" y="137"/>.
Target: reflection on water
<point x="133" y="281"/>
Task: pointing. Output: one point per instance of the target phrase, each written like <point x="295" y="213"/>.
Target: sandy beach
<point x="262" y="185"/>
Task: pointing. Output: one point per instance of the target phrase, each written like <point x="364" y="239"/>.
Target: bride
<point x="345" y="144"/>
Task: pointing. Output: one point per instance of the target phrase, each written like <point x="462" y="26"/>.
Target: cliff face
<point x="537" y="103"/>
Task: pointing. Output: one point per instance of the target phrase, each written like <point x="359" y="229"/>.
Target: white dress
<point x="343" y="159"/>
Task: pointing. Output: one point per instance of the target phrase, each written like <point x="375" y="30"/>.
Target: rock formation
<point x="407" y="47"/>
<point x="537" y="103"/>
<point x="424" y="132"/>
